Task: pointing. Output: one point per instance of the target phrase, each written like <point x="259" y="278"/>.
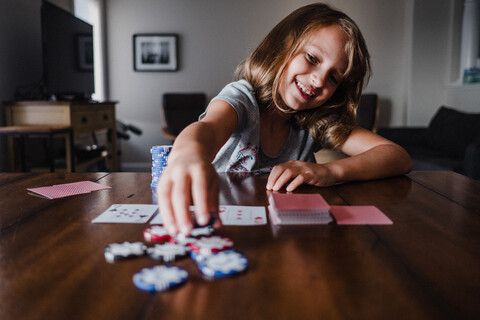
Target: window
<point x="92" y="11"/>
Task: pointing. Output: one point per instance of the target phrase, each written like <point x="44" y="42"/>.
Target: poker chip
<point x="210" y="222"/>
<point x="194" y="234"/>
<point x="167" y="252"/>
<point x="183" y="240"/>
<point x="159" y="278"/>
<point x="221" y="264"/>
<point x="159" y="162"/>
<point x="125" y="250"/>
<point x="202" y="231"/>
<point x="208" y="245"/>
<point x="155" y="233"/>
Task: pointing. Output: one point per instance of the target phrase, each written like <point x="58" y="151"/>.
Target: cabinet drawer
<point x="84" y="121"/>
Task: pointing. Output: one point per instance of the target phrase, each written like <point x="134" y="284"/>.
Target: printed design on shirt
<point x="244" y="159"/>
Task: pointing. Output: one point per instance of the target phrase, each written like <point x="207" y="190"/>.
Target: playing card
<point x="242" y="215"/>
<point x="127" y="213"/>
<point x="233" y="215"/>
<point x="359" y="215"/>
<point x="68" y="189"/>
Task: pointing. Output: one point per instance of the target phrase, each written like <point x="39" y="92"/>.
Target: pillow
<point x="450" y="131"/>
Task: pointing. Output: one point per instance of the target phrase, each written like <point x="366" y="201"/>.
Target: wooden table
<point x="424" y="266"/>
<point x="84" y="118"/>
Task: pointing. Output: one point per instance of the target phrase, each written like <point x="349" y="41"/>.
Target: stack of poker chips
<point x="159" y="162"/>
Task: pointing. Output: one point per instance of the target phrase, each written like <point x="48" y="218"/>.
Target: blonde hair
<point x="331" y="124"/>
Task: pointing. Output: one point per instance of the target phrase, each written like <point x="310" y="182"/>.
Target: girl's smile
<point x="313" y="73"/>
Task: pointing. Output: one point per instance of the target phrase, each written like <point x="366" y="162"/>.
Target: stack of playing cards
<point x="296" y="208"/>
<point x="159" y="162"/>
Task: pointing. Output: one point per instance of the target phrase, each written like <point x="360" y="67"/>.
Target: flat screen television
<point x="67" y="54"/>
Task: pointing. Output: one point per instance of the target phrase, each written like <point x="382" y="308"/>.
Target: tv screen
<point x="67" y="54"/>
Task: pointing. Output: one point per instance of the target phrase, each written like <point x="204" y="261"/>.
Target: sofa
<point x="450" y="142"/>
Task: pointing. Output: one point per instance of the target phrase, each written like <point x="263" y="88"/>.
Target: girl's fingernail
<point x="172" y="230"/>
<point x="202" y="220"/>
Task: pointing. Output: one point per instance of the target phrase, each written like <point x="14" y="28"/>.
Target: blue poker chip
<point x="159" y="278"/>
<point x="221" y="264"/>
<point x="165" y="148"/>
<point x="198" y="257"/>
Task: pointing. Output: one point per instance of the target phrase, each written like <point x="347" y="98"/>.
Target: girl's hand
<point x="298" y="173"/>
<point x="190" y="175"/>
<point x="184" y="180"/>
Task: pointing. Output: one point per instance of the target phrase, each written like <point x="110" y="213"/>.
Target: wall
<point x="414" y="47"/>
<point x="214" y="38"/>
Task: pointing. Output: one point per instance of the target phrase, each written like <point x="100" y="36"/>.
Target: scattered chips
<point x="167" y="252"/>
<point x="155" y="233"/>
<point x="125" y="250"/>
<point x="211" y="253"/>
<point x="208" y="245"/>
<point x="221" y="264"/>
<point x="159" y="278"/>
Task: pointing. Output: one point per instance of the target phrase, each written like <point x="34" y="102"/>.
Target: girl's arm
<point x="371" y="157"/>
<point x="190" y="176"/>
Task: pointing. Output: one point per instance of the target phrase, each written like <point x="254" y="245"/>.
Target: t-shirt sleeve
<point x="240" y="96"/>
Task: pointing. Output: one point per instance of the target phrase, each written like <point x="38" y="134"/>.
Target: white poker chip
<point x="222" y="264"/>
<point x="183" y="240"/>
<point x="167" y="252"/>
<point x="203" y="231"/>
<point x="207" y="245"/>
<point x="120" y="251"/>
<point x="193" y="237"/>
<point x="159" y="278"/>
<point x="155" y="233"/>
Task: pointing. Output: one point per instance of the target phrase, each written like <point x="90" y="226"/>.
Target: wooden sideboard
<point x="83" y="117"/>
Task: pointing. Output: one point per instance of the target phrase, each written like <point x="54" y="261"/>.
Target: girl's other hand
<point x="295" y="173"/>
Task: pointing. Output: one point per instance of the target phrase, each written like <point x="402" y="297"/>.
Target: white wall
<point x="214" y="37"/>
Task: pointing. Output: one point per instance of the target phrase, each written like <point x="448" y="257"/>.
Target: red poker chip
<point x="212" y="244"/>
<point x="155" y="234"/>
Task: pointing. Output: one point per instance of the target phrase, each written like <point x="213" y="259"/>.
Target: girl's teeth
<point x="304" y="90"/>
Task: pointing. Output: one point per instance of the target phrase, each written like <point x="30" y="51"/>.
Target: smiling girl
<point x="297" y="92"/>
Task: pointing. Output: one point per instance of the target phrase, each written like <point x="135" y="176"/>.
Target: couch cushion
<point x="450" y="131"/>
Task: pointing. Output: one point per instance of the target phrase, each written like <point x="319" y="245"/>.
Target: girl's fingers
<point x="298" y="181"/>
<point x="200" y="194"/>
<point x="165" y="208"/>
<point x="181" y="201"/>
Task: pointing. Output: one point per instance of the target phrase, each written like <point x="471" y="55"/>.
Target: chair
<point x="48" y="132"/>
<point x="367" y="115"/>
<point x="180" y="110"/>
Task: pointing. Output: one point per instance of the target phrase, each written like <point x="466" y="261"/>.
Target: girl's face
<point x="313" y="74"/>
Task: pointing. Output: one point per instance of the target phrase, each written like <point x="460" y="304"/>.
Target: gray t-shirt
<point x="243" y="151"/>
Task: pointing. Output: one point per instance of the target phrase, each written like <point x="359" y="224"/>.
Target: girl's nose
<point x="318" y="78"/>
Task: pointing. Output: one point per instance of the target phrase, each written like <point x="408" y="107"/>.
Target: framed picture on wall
<point x="155" y="52"/>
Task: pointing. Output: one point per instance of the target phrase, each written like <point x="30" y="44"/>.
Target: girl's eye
<point x="311" y="58"/>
